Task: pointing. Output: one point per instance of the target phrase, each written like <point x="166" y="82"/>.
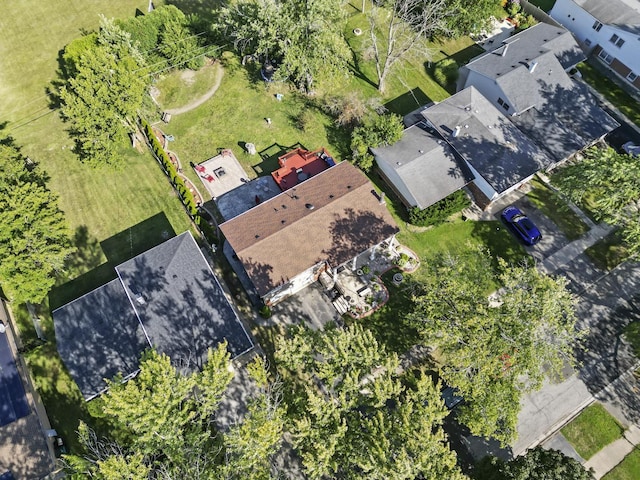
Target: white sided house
<point x="610" y="29"/>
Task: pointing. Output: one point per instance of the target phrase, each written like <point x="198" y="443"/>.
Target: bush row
<point x="163" y="158"/>
<point x="439" y="211"/>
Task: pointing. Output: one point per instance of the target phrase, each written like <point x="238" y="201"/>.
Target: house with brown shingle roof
<point x="319" y="225"/>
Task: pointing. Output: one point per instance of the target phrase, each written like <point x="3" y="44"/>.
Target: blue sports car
<point x="524" y="228"/>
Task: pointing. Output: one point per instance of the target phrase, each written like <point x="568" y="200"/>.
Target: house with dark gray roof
<point x="287" y="241"/>
<point x="609" y="30"/>
<point x="166" y="298"/>
<point x="499" y="155"/>
<point x="526" y="79"/>
<point x="421" y="168"/>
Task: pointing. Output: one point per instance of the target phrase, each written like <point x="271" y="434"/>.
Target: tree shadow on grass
<point x="408" y="102"/>
<point x="87" y="269"/>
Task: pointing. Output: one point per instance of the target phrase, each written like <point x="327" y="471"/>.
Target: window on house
<point x="506" y="106"/>
<point x="616" y="40"/>
<point x="632" y="77"/>
<point x="597" y="26"/>
<point x="606" y="58"/>
<point x="587" y="42"/>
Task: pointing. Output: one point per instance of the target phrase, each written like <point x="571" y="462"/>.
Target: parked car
<point x="451" y="399"/>
<point x="631" y="149"/>
<point x="521" y="225"/>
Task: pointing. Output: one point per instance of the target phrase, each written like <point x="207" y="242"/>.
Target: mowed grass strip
<point x="592" y="430"/>
<point x="628" y="469"/>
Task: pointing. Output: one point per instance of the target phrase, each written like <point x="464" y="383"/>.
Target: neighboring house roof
<point x="167" y="298"/>
<point x="98" y="336"/>
<point x="624" y="14"/>
<point x="426" y="164"/>
<point x="332" y="217"/>
<point x="527" y="46"/>
<point x="574" y="121"/>
<point x="486" y="139"/>
<point x="528" y="63"/>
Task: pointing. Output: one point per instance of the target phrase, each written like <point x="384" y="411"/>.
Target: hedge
<point x="439" y="211"/>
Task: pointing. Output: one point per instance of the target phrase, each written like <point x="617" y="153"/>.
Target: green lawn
<point x="179" y="88"/>
<point x="608" y="252"/>
<point x="616" y="95"/>
<point x="632" y="335"/>
<point x="553" y="206"/>
<point x="628" y="469"/>
<point x="592" y="430"/>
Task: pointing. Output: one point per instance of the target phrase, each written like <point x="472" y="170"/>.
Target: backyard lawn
<point x="609" y="252"/>
<point x="612" y="92"/>
<point x="628" y="469"/>
<point x="592" y="430"/>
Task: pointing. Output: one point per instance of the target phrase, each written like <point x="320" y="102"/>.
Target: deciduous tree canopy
<point x="34" y="237"/>
<point x="536" y="464"/>
<point x="353" y="416"/>
<point x="609" y="183"/>
<point x="304" y="38"/>
<point x="162" y="424"/>
<point x="494" y="349"/>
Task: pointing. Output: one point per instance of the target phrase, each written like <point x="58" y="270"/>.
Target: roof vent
<point x="348" y="186"/>
<point x="283" y="221"/>
<point x="309" y="206"/>
<point x="257" y="236"/>
<point x="456" y="131"/>
<point x="467" y="108"/>
<point x="420" y="151"/>
<point x="532" y="66"/>
<point x="466" y="126"/>
<point x="331" y="195"/>
<point x="140" y="300"/>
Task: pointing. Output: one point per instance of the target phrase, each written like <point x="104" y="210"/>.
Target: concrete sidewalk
<point x="569" y="252"/>
<point x="606" y="459"/>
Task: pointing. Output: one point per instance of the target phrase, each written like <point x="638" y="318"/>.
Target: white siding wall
<point x="488" y="87"/>
<point x="578" y="21"/>
<point x="397" y="182"/>
<point x="294" y="285"/>
<point x="482" y="184"/>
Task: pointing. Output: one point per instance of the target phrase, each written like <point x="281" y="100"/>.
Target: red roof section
<point x="299" y="165"/>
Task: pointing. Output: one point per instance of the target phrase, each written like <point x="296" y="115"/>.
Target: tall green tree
<point x="104" y="95"/>
<point x="304" y="37"/>
<point x="34" y="236"/>
<point x="495" y="349"/>
<point x="537" y="464"/>
<point x="162" y="425"/>
<point x="609" y="183"/>
<point x="471" y="16"/>
<point x="352" y="414"/>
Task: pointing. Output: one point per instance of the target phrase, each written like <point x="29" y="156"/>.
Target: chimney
<point x="456" y="132"/>
<point x="532" y="66"/>
<point x="504" y="51"/>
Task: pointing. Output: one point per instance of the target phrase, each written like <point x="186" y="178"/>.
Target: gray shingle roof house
<point x="609" y="30"/>
<point x="498" y="154"/>
<point x="526" y="78"/>
<point x="421" y="167"/>
<point x="166" y="298"/>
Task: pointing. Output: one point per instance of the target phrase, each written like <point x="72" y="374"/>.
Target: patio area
<point x="492" y="39"/>
<point x="221" y="174"/>
<point x="357" y="289"/>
